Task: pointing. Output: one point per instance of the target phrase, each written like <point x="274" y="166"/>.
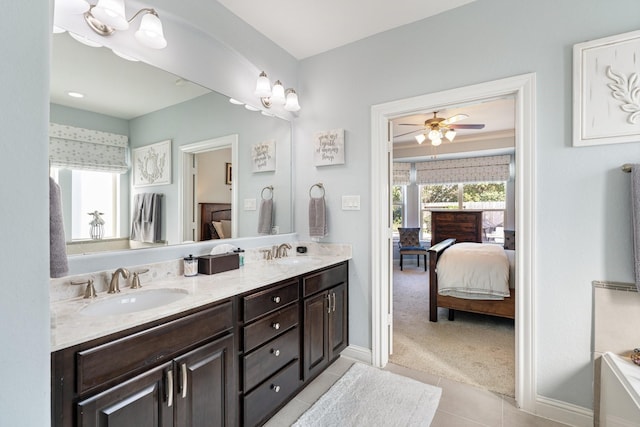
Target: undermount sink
<point x="133" y="302"/>
<point x="296" y="260"/>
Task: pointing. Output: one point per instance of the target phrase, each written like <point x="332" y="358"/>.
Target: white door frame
<point x="187" y="200"/>
<point x="522" y="87"/>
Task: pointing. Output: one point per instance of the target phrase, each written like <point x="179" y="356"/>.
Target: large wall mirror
<point x="209" y="168"/>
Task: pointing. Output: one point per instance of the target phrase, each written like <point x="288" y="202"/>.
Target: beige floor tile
<point x="471" y="403"/>
<point x="512" y="416"/>
<point x="444" y="419"/>
<point x="340" y="366"/>
<point x="410" y="373"/>
<point x="318" y="387"/>
<point x="289" y="414"/>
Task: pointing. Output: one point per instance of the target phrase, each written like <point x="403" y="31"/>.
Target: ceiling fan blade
<point x="455" y="118"/>
<point x="466" y="126"/>
<point x="410" y="124"/>
<point x="408" y="133"/>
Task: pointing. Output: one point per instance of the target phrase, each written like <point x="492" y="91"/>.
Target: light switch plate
<point x="350" y="203"/>
<point x="249" y="204"/>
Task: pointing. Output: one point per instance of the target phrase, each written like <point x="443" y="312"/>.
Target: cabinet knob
<point x="275" y="352"/>
<point x="275" y="326"/>
<point x="275" y="388"/>
<point x="276" y="299"/>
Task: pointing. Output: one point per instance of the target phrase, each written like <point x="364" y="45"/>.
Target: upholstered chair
<point x="410" y="245"/>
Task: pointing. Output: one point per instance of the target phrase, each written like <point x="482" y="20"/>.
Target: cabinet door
<point x="142" y="401"/>
<point x="316" y="347"/>
<point x="205" y="387"/>
<point x="338" y="320"/>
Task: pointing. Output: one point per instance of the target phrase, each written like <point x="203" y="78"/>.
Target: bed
<point x="215" y="221"/>
<point x="454" y="234"/>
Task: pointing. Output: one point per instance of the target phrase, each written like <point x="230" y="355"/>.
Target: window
<point x="398" y="197"/>
<point x="91" y="191"/>
<point x="490" y="197"/>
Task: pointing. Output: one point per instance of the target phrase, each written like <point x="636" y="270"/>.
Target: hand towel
<point x="317" y="218"/>
<point x="58" y="264"/>
<point x="635" y="210"/>
<point x="146" y="225"/>
<point x="265" y="216"/>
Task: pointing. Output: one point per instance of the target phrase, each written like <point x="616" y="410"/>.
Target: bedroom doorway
<point x="523" y="89"/>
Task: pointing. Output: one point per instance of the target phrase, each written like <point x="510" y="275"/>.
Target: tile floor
<point x="461" y="405"/>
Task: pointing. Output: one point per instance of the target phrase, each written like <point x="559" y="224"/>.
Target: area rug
<point x="474" y="349"/>
<point x="367" y="396"/>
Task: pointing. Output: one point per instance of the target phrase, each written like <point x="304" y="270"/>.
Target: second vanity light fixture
<point x="276" y="95"/>
<point x="108" y="16"/>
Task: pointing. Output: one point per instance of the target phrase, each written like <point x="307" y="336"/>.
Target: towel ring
<point x="270" y="188"/>
<point x="320" y="186"/>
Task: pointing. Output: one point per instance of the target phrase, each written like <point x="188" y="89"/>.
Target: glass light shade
<point x="263" y="86"/>
<point x="420" y="138"/>
<point x="436" y="141"/>
<point x="111" y="13"/>
<point x="150" y="32"/>
<point x="277" y="94"/>
<point x="292" y="101"/>
<point x="72" y="7"/>
<point x="450" y="134"/>
<point x="235" y="101"/>
<point x="84" y="40"/>
<point x="434" y="134"/>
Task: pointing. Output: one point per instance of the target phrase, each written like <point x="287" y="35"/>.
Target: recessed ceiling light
<point x="235" y="101"/>
<point x="251" y="108"/>
<point x="75" y="94"/>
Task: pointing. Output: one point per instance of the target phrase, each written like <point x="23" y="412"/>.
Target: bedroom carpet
<point x="474" y="349"/>
<point x="367" y="396"/>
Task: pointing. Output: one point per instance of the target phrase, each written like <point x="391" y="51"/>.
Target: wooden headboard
<point x="464" y="226"/>
<point x="212" y="212"/>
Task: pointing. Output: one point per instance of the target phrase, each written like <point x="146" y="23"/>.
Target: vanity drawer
<point x="324" y="279"/>
<point x="261" y="303"/>
<point x="272" y="393"/>
<point x="113" y="361"/>
<point x="265" y="329"/>
<point x="268" y="359"/>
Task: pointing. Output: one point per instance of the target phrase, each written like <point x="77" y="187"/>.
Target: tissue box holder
<point x="212" y="264"/>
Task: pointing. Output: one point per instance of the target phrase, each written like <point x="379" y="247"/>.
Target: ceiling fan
<point x="436" y="128"/>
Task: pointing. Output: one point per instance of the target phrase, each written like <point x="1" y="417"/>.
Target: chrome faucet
<point x="281" y="251"/>
<point x="114" y="286"/>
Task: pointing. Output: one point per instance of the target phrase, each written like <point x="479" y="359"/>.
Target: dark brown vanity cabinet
<point x="270" y="353"/>
<point x="325" y="318"/>
<point x="177" y="373"/>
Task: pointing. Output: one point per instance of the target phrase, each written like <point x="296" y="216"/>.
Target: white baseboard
<point x="563" y="412"/>
<point x="361" y="354"/>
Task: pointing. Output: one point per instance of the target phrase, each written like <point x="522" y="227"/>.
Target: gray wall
<point x="24" y="214"/>
<point x="583" y="222"/>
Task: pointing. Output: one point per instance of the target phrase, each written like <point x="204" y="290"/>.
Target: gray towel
<point x="635" y="210"/>
<point x="317" y="217"/>
<point x="58" y="265"/>
<point x="146" y="225"/>
<point x="265" y="216"/>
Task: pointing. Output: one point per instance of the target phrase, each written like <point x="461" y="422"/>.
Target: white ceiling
<point x="306" y="27"/>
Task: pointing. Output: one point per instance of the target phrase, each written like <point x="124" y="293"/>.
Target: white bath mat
<point x="367" y="396"/>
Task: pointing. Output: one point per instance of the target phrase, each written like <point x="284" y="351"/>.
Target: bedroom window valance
<point x="77" y="148"/>
<point x="474" y="169"/>
<point x="401" y="173"/>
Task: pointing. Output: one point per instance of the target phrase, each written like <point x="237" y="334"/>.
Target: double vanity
<point x="224" y="349"/>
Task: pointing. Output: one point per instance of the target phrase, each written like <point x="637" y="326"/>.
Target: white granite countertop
<point x="69" y="326"/>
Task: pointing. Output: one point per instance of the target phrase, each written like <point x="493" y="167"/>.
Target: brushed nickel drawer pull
<point x="184" y="380"/>
<point x="333" y="297"/>
<point x="275" y="388"/>
<point x="275" y="352"/>
<point x="276" y="299"/>
<point x="328" y="303"/>
<point x="169" y="388"/>
<point x="275" y="325"/>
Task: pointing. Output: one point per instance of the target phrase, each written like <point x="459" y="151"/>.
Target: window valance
<point x="401" y="173"/>
<point x="77" y="148"/>
<point x="474" y="169"/>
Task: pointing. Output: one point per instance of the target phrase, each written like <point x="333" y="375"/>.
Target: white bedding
<point x="474" y="271"/>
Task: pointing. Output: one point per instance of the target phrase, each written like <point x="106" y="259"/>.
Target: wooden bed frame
<point x="212" y="212"/>
<point x="500" y="308"/>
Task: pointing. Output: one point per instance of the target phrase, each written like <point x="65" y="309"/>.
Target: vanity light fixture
<point x="107" y="16"/>
<point x="276" y="95"/>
